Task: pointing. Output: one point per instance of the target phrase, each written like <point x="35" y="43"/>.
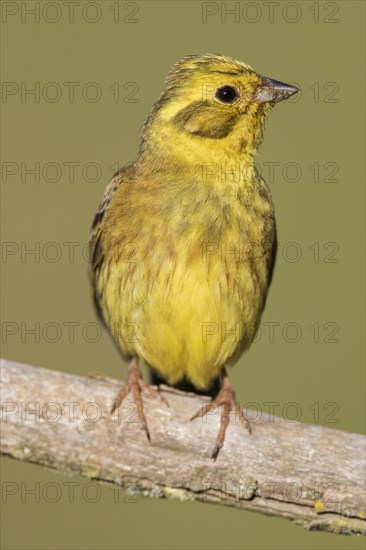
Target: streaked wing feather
<point x="272" y="258"/>
<point x="96" y="233"/>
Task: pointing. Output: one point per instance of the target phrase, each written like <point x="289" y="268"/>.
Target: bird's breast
<point x="193" y="296"/>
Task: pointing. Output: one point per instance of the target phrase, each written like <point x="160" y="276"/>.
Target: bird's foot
<point x="135" y="384"/>
<point x="226" y="400"/>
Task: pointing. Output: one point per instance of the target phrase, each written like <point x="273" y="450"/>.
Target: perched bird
<point x="184" y="240"/>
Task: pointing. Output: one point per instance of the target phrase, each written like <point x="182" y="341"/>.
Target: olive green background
<point x="306" y="130"/>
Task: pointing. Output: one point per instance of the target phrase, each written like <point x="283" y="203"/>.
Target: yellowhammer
<point x="184" y="240"/>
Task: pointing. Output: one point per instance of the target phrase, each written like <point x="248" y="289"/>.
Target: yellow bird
<point x="184" y="240"/>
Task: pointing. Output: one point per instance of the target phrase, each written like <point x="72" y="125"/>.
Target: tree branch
<point x="310" y="474"/>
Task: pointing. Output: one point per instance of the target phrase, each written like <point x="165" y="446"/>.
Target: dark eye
<point x="227" y="94"/>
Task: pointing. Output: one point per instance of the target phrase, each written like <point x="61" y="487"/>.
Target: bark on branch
<point x="310" y="474"/>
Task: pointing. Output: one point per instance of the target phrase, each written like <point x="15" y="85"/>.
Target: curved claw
<point x="243" y="420"/>
<point x="135" y="384"/>
<point x="153" y="392"/>
<point x="120" y="396"/>
<point x="226" y="400"/>
<point x="204" y="410"/>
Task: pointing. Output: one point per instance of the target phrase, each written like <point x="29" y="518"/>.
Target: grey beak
<point x="272" y="91"/>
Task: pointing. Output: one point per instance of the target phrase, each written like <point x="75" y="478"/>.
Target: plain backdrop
<point x="94" y="83"/>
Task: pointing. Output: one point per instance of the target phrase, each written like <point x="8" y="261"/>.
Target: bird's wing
<point x="96" y="252"/>
<point x="272" y="258"/>
<point x="270" y="232"/>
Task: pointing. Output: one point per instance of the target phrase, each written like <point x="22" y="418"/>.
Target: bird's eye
<point x="227" y="94"/>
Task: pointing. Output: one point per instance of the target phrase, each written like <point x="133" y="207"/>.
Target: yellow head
<point x="211" y="106"/>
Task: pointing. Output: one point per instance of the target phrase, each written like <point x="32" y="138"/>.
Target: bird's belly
<point x="189" y="322"/>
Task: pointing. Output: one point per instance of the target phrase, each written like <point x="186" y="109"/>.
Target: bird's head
<point x="211" y="106"/>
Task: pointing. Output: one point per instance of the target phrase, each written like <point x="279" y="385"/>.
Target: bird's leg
<point x="226" y="400"/>
<point x="134" y="383"/>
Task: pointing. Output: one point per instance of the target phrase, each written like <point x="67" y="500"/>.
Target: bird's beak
<point x="272" y="91"/>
